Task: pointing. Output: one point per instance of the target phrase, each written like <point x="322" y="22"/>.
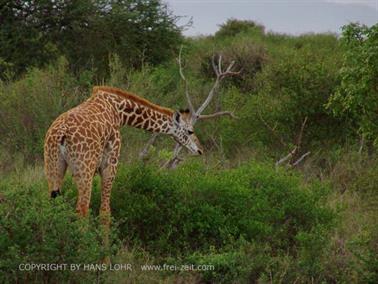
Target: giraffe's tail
<point x="55" y="159"/>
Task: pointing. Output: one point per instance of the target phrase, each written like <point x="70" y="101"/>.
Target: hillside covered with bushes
<point x="286" y="191"/>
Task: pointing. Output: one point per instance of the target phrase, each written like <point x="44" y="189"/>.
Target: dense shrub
<point x="35" y="229"/>
<point x="192" y="210"/>
<point x="292" y="86"/>
<point x="29" y="106"/>
<point x="356" y="97"/>
<point x="249" y="58"/>
<point x="233" y="27"/>
<point x="252" y="223"/>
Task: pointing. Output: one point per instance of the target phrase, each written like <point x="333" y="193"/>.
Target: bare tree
<point x="292" y="159"/>
<point x="221" y="73"/>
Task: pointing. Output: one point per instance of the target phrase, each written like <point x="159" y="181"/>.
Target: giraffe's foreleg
<point x="83" y="182"/>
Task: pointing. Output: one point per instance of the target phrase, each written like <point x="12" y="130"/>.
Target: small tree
<point x="234" y="26"/>
<point x="357" y="96"/>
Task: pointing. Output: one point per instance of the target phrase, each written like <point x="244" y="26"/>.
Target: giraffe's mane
<point x="132" y="97"/>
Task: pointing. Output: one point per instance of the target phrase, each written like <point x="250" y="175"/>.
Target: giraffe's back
<point x="77" y="138"/>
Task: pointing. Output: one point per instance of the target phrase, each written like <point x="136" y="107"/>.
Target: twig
<point x="216" y="114"/>
<point x="287" y="157"/>
<point x="188" y="99"/>
<point x="299" y="139"/>
<point x="220" y="75"/>
<point x="300" y="159"/>
<point x="362" y="142"/>
<point x="146" y="148"/>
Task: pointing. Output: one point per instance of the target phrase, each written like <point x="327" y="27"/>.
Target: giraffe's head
<point x="182" y="132"/>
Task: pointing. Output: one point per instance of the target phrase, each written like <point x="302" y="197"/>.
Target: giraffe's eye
<point x="190" y="132"/>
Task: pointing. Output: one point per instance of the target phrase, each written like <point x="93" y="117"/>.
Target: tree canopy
<point x="33" y="33"/>
<point x="357" y="96"/>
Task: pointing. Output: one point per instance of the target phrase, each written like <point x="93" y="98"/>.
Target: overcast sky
<point x="284" y="16"/>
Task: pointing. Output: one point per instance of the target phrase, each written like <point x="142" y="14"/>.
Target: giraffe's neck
<point x="137" y="112"/>
<point x="141" y="116"/>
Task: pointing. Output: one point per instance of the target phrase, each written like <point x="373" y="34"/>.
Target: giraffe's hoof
<point x="55" y="193"/>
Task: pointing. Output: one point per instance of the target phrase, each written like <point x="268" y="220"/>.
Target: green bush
<point x="195" y="211"/>
<point x="233" y="27"/>
<point x="36" y="229"/>
<point x="294" y="84"/>
<point x="251" y="223"/>
<point x="356" y="97"/>
<point x="29" y="106"/>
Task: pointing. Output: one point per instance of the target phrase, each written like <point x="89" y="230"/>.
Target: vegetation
<point x="356" y="96"/>
<point x="236" y="208"/>
<point x="35" y="33"/>
<point x="216" y="218"/>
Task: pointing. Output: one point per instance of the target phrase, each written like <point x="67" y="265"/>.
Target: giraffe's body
<point x="87" y="139"/>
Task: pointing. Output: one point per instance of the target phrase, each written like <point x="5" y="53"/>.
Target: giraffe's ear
<point x="176" y="117"/>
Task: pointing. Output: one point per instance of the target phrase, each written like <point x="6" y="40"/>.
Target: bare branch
<point x="216" y="71"/>
<point x="299" y="139"/>
<point x="220" y="75"/>
<point x="362" y="143"/>
<point x="175" y="160"/>
<point x="209" y="97"/>
<point x="287" y="157"/>
<point x="216" y="114"/>
<point x="188" y="99"/>
<point x="150" y="142"/>
<point x="300" y="159"/>
<point x="230" y="67"/>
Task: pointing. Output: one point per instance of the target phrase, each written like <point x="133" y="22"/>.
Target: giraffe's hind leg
<point x="108" y="171"/>
<point x="55" y="167"/>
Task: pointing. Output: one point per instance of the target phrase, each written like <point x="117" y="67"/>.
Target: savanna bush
<point x="195" y="211"/>
<point x="356" y="97"/>
<point x="29" y="105"/>
<point x="189" y="215"/>
<point x="36" y="229"/>
<point x="249" y="56"/>
<point x="233" y="27"/>
<point x="293" y="85"/>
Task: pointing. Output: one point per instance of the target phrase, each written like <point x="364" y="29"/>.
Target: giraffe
<point x="87" y="140"/>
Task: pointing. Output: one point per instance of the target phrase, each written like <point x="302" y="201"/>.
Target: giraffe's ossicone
<point x="87" y="139"/>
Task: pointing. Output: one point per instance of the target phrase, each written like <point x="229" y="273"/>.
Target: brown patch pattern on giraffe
<point x="87" y="140"/>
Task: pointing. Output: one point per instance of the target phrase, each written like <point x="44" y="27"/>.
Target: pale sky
<point x="284" y="16"/>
